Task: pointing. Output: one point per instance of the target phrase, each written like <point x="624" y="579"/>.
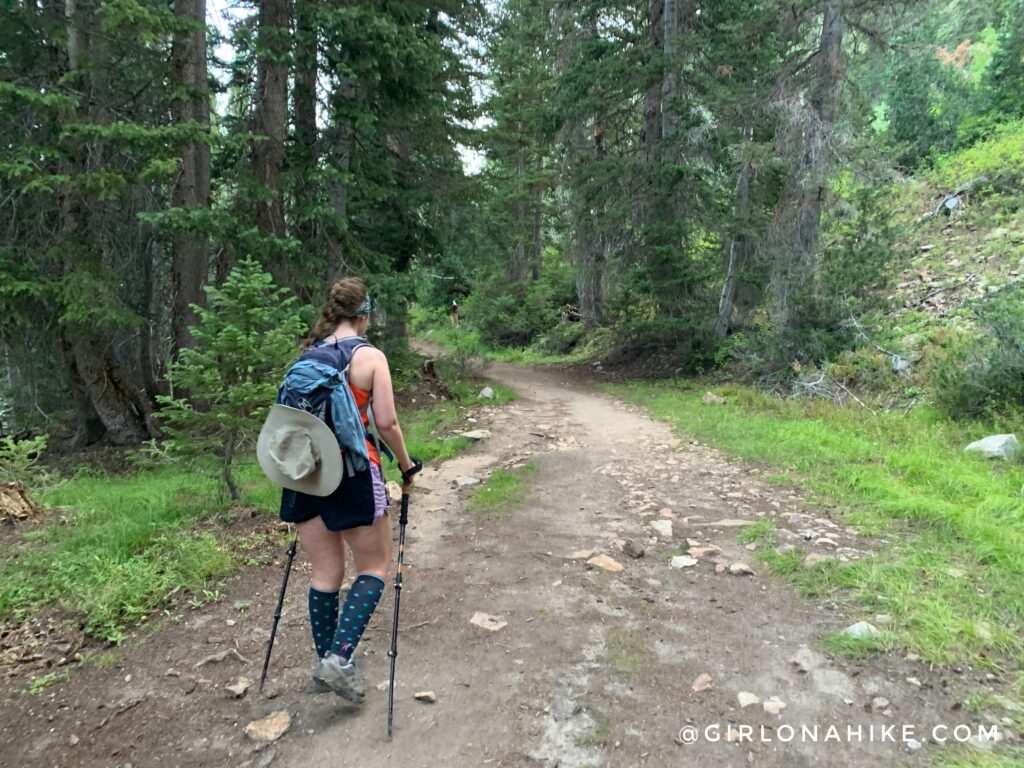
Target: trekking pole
<point x="277" y="612"/>
<point x="393" y="653"/>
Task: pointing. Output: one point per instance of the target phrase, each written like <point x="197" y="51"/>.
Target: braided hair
<point x="344" y="300"/>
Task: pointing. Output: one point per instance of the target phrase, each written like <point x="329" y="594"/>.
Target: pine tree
<point x="223" y="385"/>
<point x="1005" y="76"/>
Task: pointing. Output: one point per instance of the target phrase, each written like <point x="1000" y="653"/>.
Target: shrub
<point x="560" y="340"/>
<point x="982" y="371"/>
<point x="18" y="460"/>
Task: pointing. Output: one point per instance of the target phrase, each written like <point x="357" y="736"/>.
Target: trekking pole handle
<point x="404" y="515"/>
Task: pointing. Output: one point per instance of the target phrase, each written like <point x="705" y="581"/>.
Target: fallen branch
<point x="843" y="386"/>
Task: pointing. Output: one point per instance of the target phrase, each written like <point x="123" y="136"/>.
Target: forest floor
<point x="582" y="667"/>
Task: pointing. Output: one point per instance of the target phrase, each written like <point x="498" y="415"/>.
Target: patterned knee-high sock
<point x="323" y="618"/>
<point x="362" y="598"/>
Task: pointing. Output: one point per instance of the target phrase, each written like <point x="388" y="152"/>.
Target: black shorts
<point x="349" y="506"/>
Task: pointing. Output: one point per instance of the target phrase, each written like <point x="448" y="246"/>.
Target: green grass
<point x="123" y="546"/>
<point x="599" y="738"/>
<point x="465" y="343"/>
<point x="119" y="552"/>
<point x="627" y="651"/>
<point x="968" y="757"/>
<point x="949" y="563"/>
<point x="41" y="683"/>
<point x="758" y="532"/>
<point x="504" y="489"/>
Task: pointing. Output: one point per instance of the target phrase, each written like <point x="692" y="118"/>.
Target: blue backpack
<point x="318" y="383"/>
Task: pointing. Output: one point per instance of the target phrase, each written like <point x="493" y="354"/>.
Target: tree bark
<point x="270" y="116"/>
<point x="795" y="267"/>
<point x="537" y="249"/>
<point x="227" y="458"/>
<point x="517" y="266"/>
<point x="89" y="426"/>
<point x="738" y="244"/>
<point x="189" y="258"/>
<point x="149" y="335"/>
<point x="304" y="118"/>
<point x="339" y="151"/>
<point x="816" y="156"/>
<point x="669" y="81"/>
<point x="652" y="97"/>
<point x="591" y="266"/>
<point x="103" y="389"/>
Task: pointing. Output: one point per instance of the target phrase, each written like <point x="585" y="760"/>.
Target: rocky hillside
<point x="979" y="248"/>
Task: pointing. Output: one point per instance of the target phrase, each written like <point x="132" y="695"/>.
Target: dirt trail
<point x="593" y="667"/>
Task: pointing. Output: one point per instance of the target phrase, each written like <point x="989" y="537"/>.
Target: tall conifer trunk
<point x="271" y="110"/>
<point x="304" y="119"/>
<point x="798" y="217"/>
<point x="189" y="259"/>
<point x="105" y="392"/>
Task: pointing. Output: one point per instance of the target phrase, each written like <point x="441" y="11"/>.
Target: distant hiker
<point x="950" y="203"/>
<point x="453" y="313"/>
<point x="337" y="497"/>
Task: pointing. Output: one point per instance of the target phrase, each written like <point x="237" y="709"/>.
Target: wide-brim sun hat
<point x="296" y="450"/>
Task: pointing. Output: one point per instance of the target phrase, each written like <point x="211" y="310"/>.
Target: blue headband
<point x="365" y="309"/>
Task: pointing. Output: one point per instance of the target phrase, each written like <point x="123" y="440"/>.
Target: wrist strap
<point x="408" y="474"/>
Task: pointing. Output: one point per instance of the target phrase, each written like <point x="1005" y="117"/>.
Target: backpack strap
<point x="373" y="434"/>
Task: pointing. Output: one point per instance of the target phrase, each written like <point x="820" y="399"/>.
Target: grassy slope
<point x="985" y="239"/>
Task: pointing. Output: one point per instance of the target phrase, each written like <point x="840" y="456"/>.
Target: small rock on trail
<point x="606" y="563"/>
<point x="270" y="728"/>
<point x="631" y="549"/>
<point x="663" y="528"/>
<point x="747" y="699"/>
<point x="486" y="621"/>
<point x="239" y="689"/>
<point x="774" y="705"/>
<point x="703" y="682"/>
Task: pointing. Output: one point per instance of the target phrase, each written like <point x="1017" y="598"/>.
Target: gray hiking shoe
<point x="315" y="686"/>
<point x="344" y="679"/>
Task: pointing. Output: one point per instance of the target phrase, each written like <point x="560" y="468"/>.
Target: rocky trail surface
<point x="603" y="621"/>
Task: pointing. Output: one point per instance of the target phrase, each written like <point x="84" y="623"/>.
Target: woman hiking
<point x="355" y="514"/>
